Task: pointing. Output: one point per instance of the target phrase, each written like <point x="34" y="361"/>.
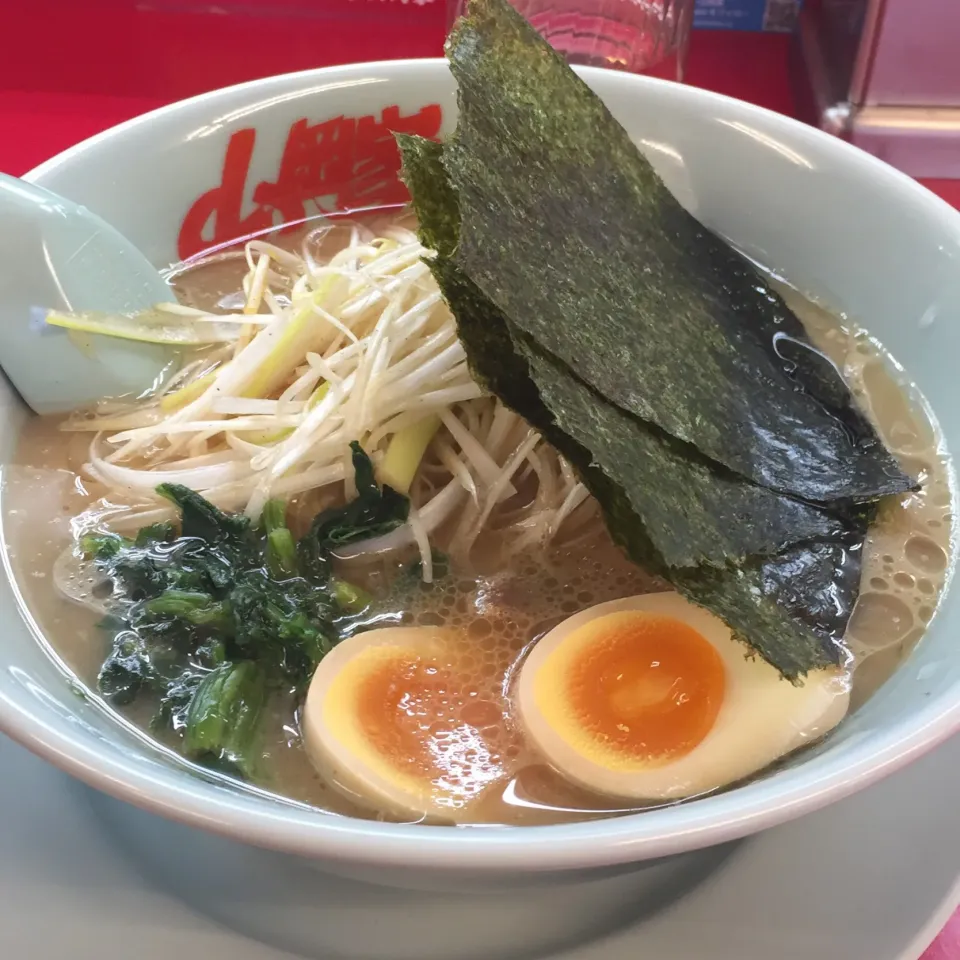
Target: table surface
<point x="104" y="61"/>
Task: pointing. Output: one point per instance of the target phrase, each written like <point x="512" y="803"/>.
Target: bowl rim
<point x="562" y="847"/>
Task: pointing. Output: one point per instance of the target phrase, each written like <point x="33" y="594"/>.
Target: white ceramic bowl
<point x="836" y="221"/>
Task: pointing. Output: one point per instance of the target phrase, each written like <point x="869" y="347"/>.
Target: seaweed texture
<point x="566" y="227"/>
<point x="782" y="571"/>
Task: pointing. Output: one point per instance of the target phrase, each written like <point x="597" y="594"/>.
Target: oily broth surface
<point x="502" y="613"/>
<point x="907" y="550"/>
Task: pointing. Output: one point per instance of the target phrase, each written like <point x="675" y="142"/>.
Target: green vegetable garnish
<point x="281" y="547"/>
<point x="200" y="518"/>
<point x="153" y="325"/>
<point x="221" y="721"/>
<point x="197" y="608"/>
<point x="221" y="612"/>
<point x="102" y="546"/>
<point x="351" y="598"/>
<point x="406" y="449"/>
<point x="375" y="510"/>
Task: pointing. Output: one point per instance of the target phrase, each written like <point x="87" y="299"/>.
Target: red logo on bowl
<point x="340" y="164"/>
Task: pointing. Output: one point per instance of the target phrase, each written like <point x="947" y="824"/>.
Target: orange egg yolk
<point x="396" y="709"/>
<point x="415" y="720"/>
<point x="635" y="689"/>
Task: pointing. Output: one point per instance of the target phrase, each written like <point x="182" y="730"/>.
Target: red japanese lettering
<point x="223" y="203"/>
<point x="340" y="164"/>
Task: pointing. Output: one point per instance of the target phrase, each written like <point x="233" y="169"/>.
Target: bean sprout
<point x="354" y="344"/>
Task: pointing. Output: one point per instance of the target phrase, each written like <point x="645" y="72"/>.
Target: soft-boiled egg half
<point x="391" y="719"/>
<point x="652" y="698"/>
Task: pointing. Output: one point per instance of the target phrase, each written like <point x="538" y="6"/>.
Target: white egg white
<point x="762" y="717"/>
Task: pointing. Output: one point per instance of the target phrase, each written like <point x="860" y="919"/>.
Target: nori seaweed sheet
<point x="791" y="608"/>
<point x="480" y="325"/>
<point x="570" y="232"/>
<point x="692" y="514"/>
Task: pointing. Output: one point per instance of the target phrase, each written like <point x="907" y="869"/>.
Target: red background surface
<point x="103" y="61"/>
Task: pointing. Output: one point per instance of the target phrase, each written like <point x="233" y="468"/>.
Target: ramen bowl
<point x="864" y="238"/>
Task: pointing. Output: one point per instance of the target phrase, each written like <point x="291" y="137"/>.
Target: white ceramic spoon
<point x="57" y="255"/>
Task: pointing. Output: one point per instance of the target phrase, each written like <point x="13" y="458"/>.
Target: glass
<point x="640" y="36"/>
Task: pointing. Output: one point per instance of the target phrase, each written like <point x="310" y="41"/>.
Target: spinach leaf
<point x="200" y="518"/>
<point x="218" y="614"/>
<point x="223" y="716"/>
<point x="375" y="510"/>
